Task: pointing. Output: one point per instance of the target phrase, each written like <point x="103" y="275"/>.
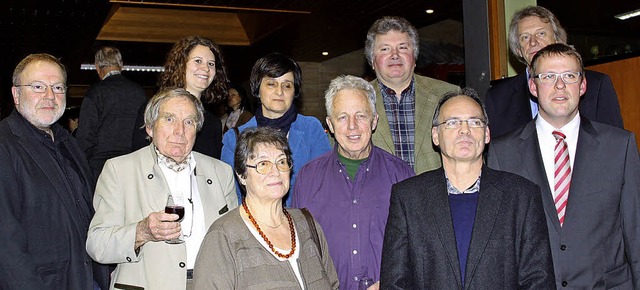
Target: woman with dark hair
<point x="264" y="245"/>
<point x="276" y="80"/>
<point x="240" y="110"/>
<point x="195" y="63"/>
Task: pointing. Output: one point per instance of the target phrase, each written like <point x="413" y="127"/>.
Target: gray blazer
<point x="509" y="246"/>
<point x="132" y="186"/>
<point x="598" y="246"/>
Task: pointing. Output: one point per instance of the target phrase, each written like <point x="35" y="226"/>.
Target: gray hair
<point x="248" y="143"/>
<point x="468" y="92"/>
<point x="545" y="16"/>
<point x="152" y="111"/>
<point x="383" y="26"/>
<point x="344" y="82"/>
<point x="108" y="56"/>
<point x="33" y="58"/>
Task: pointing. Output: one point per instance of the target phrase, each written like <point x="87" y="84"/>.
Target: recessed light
<point x="325" y="53"/>
<point x="627" y="15"/>
<point x="429" y="11"/>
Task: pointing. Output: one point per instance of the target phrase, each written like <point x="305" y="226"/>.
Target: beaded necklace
<point x="264" y="237"/>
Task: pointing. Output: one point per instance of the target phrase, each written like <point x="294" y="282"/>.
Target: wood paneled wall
<point x="624" y="74"/>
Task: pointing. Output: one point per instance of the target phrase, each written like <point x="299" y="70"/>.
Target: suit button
<point x="209" y="181"/>
<point x="565" y="283"/>
<point x="128" y="259"/>
<point x="182" y="264"/>
<point x="86" y="262"/>
<point x="150" y="176"/>
<point x="563" y="247"/>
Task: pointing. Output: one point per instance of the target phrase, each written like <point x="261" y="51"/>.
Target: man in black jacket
<point x="109" y="111"/>
<point x="46" y="187"/>
<point x="509" y="103"/>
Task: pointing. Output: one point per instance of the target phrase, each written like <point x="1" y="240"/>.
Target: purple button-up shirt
<point x="352" y="213"/>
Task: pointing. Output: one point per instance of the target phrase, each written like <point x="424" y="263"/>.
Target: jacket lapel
<point x="587" y="145"/>
<point x="158" y="188"/>
<point x="532" y="161"/>
<point x="382" y="135"/>
<point x="486" y="214"/>
<point x="441" y="212"/>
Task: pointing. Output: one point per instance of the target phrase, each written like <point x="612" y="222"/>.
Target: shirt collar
<point x="113" y="72"/>
<point x="453" y="190"/>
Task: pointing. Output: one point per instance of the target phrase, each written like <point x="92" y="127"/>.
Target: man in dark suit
<point x="46" y="187"/>
<point x="591" y="194"/>
<point x="509" y="103"/>
<point x="109" y="111"/>
<point x="465" y="226"/>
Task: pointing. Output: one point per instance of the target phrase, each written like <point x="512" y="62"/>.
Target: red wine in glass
<point x="175" y="209"/>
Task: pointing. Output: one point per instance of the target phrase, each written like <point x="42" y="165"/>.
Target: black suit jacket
<point x="508" y="105"/>
<point x="107" y="117"/>
<point x="509" y="245"/>
<point x="598" y="246"/>
<point x="43" y="225"/>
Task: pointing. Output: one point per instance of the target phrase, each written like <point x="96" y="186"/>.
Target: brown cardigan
<point x="231" y="258"/>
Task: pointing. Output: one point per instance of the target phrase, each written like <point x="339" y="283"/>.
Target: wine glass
<point x="175" y="206"/>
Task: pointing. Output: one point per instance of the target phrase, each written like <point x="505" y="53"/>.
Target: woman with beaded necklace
<point x="261" y="244"/>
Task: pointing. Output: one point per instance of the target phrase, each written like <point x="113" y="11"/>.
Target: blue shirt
<point x="307" y="141"/>
<point x="352" y="212"/>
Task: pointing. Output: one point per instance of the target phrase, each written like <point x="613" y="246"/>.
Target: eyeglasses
<point x="456" y="123"/>
<point x="551" y="78"/>
<point x="263" y="167"/>
<point x="40" y="87"/>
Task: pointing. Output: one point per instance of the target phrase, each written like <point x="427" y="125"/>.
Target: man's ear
<point x="149" y="131"/>
<point x="374" y="124"/>
<point x="583" y="86"/>
<point x="533" y="87"/>
<point x="329" y="124"/>
<point x="434" y="136"/>
<point x="15" y="91"/>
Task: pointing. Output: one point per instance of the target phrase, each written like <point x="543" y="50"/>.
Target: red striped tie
<point x="561" y="175"/>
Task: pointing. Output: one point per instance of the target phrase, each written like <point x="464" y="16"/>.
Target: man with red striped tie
<point x="589" y="174"/>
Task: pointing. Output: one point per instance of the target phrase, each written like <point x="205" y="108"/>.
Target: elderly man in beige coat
<point x="130" y="227"/>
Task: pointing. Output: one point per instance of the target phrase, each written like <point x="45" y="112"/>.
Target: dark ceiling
<point x="68" y="28"/>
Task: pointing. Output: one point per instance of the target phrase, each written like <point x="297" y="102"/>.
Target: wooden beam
<point x="233" y="8"/>
<point x="497" y="40"/>
<point x="170" y="25"/>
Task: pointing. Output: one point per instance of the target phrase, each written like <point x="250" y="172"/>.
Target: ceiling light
<point x="627" y="15"/>
<point x="145" y="68"/>
<point x="429" y="11"/>
<point x="325" y="53"/>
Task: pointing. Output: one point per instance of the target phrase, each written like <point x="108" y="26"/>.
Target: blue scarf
<point x="283" y="123"/>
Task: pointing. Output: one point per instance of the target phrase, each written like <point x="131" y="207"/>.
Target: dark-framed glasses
<point x="457" y="123"/>
<point x="569" y="77"/>
<point x="40" y="87"/>
<point x="264" y="166"/>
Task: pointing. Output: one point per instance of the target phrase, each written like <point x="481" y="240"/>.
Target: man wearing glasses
<point x="46" y="187"/>
<point x="465" y="226"/>
<point x="589" y="174"/>
<point x="509" y="103"/>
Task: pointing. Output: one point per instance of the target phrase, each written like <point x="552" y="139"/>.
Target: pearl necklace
<point x="264" y="237"/>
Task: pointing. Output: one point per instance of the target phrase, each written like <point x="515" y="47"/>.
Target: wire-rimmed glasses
<point x="455" y="123"/>
<point x="40" y="87"/>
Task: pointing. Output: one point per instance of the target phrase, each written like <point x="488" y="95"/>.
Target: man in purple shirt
<point x="347" y="190"/>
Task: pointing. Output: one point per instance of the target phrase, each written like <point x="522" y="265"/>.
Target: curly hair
<point x="176" y="64"/>
<point x="559" y="34"/>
